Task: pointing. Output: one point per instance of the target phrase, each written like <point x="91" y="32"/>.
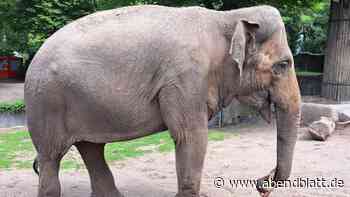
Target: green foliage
<point x="17" y="150"/>
<point x="12" y="107"/>
<point x="26" y="24"/>
<point x="307" y="27"/>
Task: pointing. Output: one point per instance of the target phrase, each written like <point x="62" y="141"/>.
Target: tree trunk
<point x="336" y="78"/>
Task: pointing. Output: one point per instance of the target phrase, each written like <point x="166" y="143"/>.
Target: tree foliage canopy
<point x="25" y="24"/>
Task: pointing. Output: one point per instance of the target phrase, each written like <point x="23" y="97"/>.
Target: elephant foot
<point x="181" y="195"/>
<point x="109" y="194"/>
<point x="264" y="186"/>
<point x="187" y="195"/>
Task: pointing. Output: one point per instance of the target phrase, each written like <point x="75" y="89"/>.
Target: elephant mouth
<point x="261" y="101"/>
<point x="266" y="109"/>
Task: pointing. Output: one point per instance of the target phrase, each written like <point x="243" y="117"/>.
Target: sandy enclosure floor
<point x="248" y="155"/>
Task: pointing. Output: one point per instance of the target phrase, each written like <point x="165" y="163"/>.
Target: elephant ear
<point x="244" y="32"/>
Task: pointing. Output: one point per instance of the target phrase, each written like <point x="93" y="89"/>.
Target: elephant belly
<point x="123" y="119"/>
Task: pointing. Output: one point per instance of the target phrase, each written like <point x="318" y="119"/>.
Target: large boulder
<point x="343" y="117"/>
<point x="311" y="112"/>
<point x="322" y="129"/>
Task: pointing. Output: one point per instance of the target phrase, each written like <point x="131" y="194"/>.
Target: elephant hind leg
<point x="51" y="143"/>
<point x="49" y="185"/>
<point x="48" y="160"/>
<point x="102" y="181"/>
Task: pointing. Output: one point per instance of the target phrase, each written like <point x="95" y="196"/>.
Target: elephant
<point x="129" y="72"/>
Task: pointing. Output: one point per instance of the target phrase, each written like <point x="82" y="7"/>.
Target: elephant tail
<point x="36" y="166"/>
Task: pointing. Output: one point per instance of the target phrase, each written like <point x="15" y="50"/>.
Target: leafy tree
<point x="307" y="27"/>
<point x="38" y="19"/>
<point x="5" y="30"/>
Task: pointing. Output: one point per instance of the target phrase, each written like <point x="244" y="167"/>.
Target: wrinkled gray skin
<point x="126" y="73"/>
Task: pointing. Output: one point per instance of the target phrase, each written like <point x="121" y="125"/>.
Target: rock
<point x="343" y="117"/>
<point x="341" y="125"/>
<point x="322" y="129"/>
<point x="304" y="134"/>
<point x="311" y="112"/>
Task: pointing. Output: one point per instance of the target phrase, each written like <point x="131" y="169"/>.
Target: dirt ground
<point x="248" y="155"/>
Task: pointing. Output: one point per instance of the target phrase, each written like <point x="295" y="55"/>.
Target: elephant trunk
<point x="287" y="99"/>
<point x="287" y="130"/>
<point x="285" y="95"/>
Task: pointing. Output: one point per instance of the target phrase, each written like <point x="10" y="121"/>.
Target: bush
<point x="12" y="107"/>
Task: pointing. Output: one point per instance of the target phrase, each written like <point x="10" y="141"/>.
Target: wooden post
<point x="336" y="77"/>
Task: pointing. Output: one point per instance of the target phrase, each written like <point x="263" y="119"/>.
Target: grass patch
<point x="17" y="150"/>
<point x="308" y="73"/>
<point x="303" y="72"/>
<point x="15" y="147"/>
<point x="17" y="106"/>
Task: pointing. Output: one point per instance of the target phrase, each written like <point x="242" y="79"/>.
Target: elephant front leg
<point x="187" y="120"/>
<point x="190" y="153"/>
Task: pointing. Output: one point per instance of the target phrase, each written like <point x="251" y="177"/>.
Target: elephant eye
<point x="280" y="67"/>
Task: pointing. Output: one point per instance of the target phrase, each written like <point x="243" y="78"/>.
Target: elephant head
<point x="265" y="67"/>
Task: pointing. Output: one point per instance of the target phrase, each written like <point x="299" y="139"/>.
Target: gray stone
<point x="322" y="129"/>
<point x="311" y="112"/>
<point x="343" y="117"/>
